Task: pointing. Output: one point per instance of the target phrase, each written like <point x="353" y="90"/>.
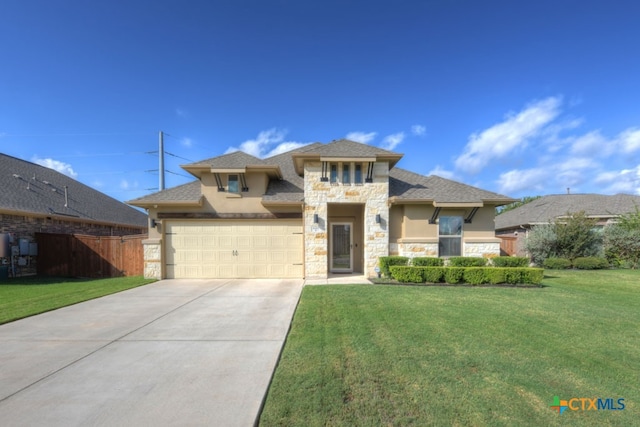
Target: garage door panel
<point x="234" y="249"/>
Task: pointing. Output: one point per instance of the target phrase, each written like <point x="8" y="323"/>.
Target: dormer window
<point x="232" y="184"/>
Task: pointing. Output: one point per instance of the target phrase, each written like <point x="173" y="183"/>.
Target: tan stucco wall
<point x="224" y="202"/>
<point x="419" y="238"/>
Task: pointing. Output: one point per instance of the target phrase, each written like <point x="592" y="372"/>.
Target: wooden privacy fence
<point x="508" y="245"/>
<point x="75" y="255"/>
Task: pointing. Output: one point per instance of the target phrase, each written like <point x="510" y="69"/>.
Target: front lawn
<point x="23" y="297"/>
<point x="406" y="355"/>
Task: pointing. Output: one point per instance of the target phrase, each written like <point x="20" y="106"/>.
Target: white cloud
<point x="362" y="137"/>
<point x="124" y="184"/>
<point x="418" y="130"/>
<point x="284" y="147"/>
<point x="527" y="179"/>
<point x="550" y="178"/>
<point x="590" y="143"/>
<point x="392" y="141"/>
<point x="629" y="140"/>
<point x="443" y="173"/>
<point x="57" y="165"/>
<point x="180" y="112"/>
<point x="623" y="181"/>
<point x="186" y="142"/>
<point x="268" y="143"/>
<point x="503" y="138"/>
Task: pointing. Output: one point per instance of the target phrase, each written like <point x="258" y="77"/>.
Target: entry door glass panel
<point x="341" y="259"/>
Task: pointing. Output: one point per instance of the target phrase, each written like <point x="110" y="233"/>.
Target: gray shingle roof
<point x="291" y="187"/>
<point x="347" y="148"/>
<point x="34" y="189"/>
<point x="404" y="184"/>
<point x="235" y="160"/>
<point x="549" y="207"/>
<point x="189" y="192"/>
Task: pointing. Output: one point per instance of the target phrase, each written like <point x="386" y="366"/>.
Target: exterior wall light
<point x="315" y="218"/>
<point x="378" y="219"/>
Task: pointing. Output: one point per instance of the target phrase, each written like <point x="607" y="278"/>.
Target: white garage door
<point x="234" y="249"/>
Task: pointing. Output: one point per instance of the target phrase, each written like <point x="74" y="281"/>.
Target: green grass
<point x="23" y="297"/>
<point x="406" y="355"/>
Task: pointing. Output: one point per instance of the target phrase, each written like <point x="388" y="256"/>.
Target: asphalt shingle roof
<point x="189" y="192"/>
<point x="549" y="207"/>
<point x="31" y="188"/>
<point x="235" y="160"/>
<point x="347" y="148"/>
<point x="403" y="184"/>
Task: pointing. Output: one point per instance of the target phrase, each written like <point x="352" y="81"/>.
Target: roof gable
<point x="344" y="149"/>
<point x="30" y="188"/>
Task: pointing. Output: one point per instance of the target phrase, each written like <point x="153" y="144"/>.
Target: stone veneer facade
<point x="318" y="194"/>
<point x="486" y="249"/>
<point x="152" y="258"/>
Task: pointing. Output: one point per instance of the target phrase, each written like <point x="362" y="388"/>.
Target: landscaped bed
<point x="440" y="355"/>
<point x="23" y="297"/>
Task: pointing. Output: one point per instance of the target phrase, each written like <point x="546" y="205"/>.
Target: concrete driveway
<point x="176" y="352"/>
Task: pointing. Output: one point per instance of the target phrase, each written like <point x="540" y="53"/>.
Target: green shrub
<point x="388" y="261"/>
<point x="453" y="275"/>
<point x="510" y="261"/>
<point x="590" y="263"/>
<point x="474" y="275"/>
<point x="556" y="263"/>
<point x="405" y="274"/>
<point x="467" y="261"/>
<point x="494" y="275"/>
<point x="513" y="275"/>
<point x="427" y="262"/>
<point x="433" y="274"/>
<point x="532" y="276"/>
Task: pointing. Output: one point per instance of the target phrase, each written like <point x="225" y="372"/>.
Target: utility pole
<point x="161" y="165"/>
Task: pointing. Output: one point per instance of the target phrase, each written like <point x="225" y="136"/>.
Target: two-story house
<point x="310" y="212"/>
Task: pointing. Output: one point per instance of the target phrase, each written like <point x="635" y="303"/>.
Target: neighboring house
<point x="320" y="209"/>
<point x="516" y="223"/>
<point x="36" y="199"/>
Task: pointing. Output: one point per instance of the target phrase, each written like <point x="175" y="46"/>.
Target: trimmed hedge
<point x="556" y="263"/>
<point x="470" y="275"/>
<point x="590" y="263"/>
<point x="427" y="262"/>
<point x="474" y="275"/>
<point x="510" y="261"/>
<point x="433" y="274"/>
<point x="388" y="261"/>
<point x="467" y="261"/>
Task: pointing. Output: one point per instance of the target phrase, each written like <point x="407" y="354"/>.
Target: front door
<point x="341" y="245"/>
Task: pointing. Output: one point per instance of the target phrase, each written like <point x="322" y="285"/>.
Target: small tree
<point x="622" y="239"/>
<point x="577" y="237"/>
<point x="570" y="237"/>
<point x="541" y="243"/>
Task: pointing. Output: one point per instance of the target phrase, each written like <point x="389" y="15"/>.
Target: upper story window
<point x="346" y="173"/>
<point x="357" y="173"/>
<point x="232" y="184"/>
<point x="333" y="173"/>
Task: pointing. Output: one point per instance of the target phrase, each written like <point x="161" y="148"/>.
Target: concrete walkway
<point x="176" y="352"/>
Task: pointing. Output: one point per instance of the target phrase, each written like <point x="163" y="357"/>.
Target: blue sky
<point x="522" y="98"/>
